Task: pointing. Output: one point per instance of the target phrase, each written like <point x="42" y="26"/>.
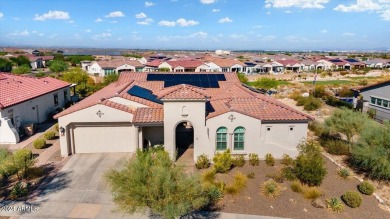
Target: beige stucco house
<point x="206" y="112"/>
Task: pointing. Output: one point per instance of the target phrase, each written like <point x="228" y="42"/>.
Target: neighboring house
<point x="290" y="65"/>
<point x="182" y="65"/>
<point x="339" y="64"/>
<point x="104" y="68"/>
<point x="35" y="61"/>
<point x="355" y="63"/>
<point x="227" y="65"/>
<point x="26" y="100"/>
<point x="203" y="113"/>
<point x="85" y="65"/>
<point x="376" y="97"/>
<point x="308" y="65"/>
<point x="153" y="66"/>
<point x="209" y="67"/>
<point x="324" y="64"/>
<point x="377" y="63"/>
<point x="46" y="59"/>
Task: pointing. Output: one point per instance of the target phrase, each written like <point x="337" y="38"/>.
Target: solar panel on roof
<point x="143" y="93"/>
<point x="199" y="80"/>
<point x="351" y="60"/>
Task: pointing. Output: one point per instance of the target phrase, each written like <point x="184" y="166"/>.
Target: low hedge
<point x="39" y="143"/>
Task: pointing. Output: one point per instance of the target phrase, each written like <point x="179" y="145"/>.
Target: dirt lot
<point x="293" y="205"/>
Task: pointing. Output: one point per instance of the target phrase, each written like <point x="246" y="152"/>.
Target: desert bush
<point x="39" y="143"/>
<point x="333" y="101"/>
<point x="251" y="175"/>
<point x="296" y="186"/>
<point x="50" y="135"/>
<point x="319" y="91"/>
<point x="309" y="103"/>
<point x="287" y="160"/>
<point x="223" y="162"/>
<point x="309" y="166"/>
<point x="22" y="161"/>
<point x="209" y="176"/>
<point x="169" y="191"/>
<point x="335" y="204"/>
<point x="254" y="159"/>
<point x="317" y="127"/>
<point x="335" y="146"/>
<point x="366" y="188"/>
<point x="215" y="194"/>
<point x="371" y="153"/>
<point x="240" y="180"/>
<point x="288" y="173"/>
<point x="57" y="127"/>
<point x="238" y="161"/>
<point x="269" y="160"/>
<point x="352" y="199"/>
<point x="344" y="173"/>
<point x="311" y="192"/>
<point x="202" y="162"/>
<point x="18" y="191"/>
<point x="346" y="92"/>
<point x="270" y="188"/>
<point x="295" y="95"/>
<point x="278" y="177"/>
<point x="231" y="190"/>
<point x="34" y="172"/>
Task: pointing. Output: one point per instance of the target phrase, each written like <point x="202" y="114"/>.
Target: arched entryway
<point x="184" y="141"/>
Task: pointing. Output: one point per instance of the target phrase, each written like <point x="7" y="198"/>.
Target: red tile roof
<point x="116" y="63"/>
<point x="185" y="63"/>
<point x="149" y="115"/>
<point x="154" y="63"/>
<point x="288" y="62"/>
<point x="184" y="92"/>
<point x="17" y="89"/>
<point x="231" y="96"/>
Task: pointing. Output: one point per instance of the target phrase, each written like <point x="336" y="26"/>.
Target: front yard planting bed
<point x="250" y="200"/>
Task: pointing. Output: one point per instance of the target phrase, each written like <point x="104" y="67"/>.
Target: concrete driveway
<point x="78" y="190"/>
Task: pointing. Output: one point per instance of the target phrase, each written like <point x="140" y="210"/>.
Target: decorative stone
<point x="318" y="203"/>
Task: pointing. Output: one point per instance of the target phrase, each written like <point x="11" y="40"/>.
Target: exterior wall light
<point x="62" y="131"/>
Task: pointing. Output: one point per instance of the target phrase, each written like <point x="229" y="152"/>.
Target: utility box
<point x="29" y="129"/>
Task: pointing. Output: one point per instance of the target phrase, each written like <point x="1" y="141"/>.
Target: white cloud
<point x="53" y="36"/>
<point x="88" y="30"/>
<point x="215" y="10"/>
<point x="347" y="34"/>
<point x="296" y="3"/>
<point x="361" y="5"/>
<point x="41" y="34"/>
<point x="288" y="12"/>
<point x="1" y="15"/>
<point x="257" y="27"/>
<point x="16" y="18"/>
<point x="265" y="38"/>
<point x="200" y="34"/>
<point x="386" y="15"/>
<point x="140" y="15"/>
<point x="147" y="21"/>
<point x="53" y="15"/>
<point x="149" y="4"/>
<point x="71" y="21"/>
<point x="268" y="12"/>
<point x="208" y="1"/>
<point x="167" y="23"/>
<point x="115" y="14"/>
<point x="76" y="36"/>
<point x="34" y="31"/>
<point x="113" y="22"/>
<point x="22" y="33"/>
<point x="98" y="20"/>
<point x="324" y="31"/>
<point x="101" y="36"/>
<point x="225" y="20"/>
<point x="184" y="23"/>
<point x="237" y="37"/>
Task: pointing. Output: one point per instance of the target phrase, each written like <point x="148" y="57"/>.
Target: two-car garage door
<point x="102" y="139"/>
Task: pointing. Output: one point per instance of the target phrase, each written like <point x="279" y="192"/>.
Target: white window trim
<point x="376" y="105"/>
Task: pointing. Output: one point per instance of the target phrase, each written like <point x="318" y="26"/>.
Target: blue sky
<point x="197" y="24"/>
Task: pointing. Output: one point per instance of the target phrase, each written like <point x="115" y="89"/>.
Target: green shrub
<point x="22" y="160"/>
<point x="335" y="204"/>
<point x="319" y="91"/>
<point x="254" y="159"/>
<point x="287" y="160"/>
<point x="311" y="192"/>
<point x="34" y="172"/>
<point x="203" y="162"/>
<point x="309" y="103"/>
<point x="352" y="199"/>
<point x="251" y="175"/>
<point x="371" y="152"/>
<point x="333" y="101"/>
<point x="238" y="161"/>
<point x="317" y="127"/>
<point x="335" y="146"/>
<point x="366" y="188"/>
<point x="215" y="194"/>
<point x="269" y="160"/>
<point x="270" y="188"/>
<point x="18" y="191"/>
<point x="296" y="186"/>
<point x="223" y="162"/>
<point x="344" y="173"/>
<point x="50" y="135"/>
<point x="57" y="127"/>
<point x="278" y="177"/>
<point x="39" y="143"/>
<point x="288" y="173"/>
<point x="309" y="167"/>
<point x="240" y="180"/>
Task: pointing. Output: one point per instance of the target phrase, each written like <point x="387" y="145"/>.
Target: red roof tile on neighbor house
<point x="288" y="62"/>
<point x="154" y="63"/>
<point x="185" y="63"/>
<point x="17" y="89"/>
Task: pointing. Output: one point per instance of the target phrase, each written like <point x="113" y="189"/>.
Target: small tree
<point x="266" y="83"/>
<point x="152" y="181"/>
<point x="23" y="69"/>
<point x="22" y="161"/>
<point x="309" y="166"/>
<point x="58" y="66"/>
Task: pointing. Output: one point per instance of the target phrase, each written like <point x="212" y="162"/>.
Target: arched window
<point x="221" y="138"/>
<point x="239" y="136"/>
